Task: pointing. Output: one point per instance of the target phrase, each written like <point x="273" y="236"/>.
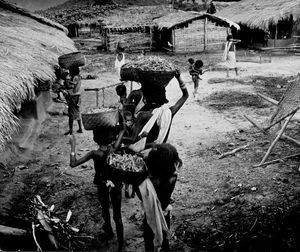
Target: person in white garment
<point x="120" y="59"/>
<point x="229" y="54"/>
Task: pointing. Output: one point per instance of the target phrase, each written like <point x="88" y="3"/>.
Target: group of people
<point x="228" y="59"/>
<point x="143" y="130"/>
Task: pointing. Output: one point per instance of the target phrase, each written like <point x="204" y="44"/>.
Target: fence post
<point x="102" y="97"/>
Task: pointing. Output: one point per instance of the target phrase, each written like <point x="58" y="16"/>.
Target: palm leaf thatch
<point x="181" y="18"/>
<point x="261" y="14"/>
<point x="29" y="50"/>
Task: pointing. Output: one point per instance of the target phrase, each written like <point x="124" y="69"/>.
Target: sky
<point x="35" y="5"/>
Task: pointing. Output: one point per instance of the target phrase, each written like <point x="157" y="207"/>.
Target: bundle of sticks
<point x="60" y="233"/>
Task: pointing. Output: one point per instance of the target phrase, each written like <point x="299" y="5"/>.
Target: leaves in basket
<point x="127" y="162"/>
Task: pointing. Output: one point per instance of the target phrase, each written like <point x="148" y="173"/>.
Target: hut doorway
<point x="164" y="39"/>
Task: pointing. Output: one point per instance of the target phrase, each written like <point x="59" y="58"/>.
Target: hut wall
<point x="134" y="40"/>
<point x="191" y="38"/>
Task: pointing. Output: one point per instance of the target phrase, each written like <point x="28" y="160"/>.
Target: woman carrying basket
<point x="73" y="98"/>
<point x="155" y="131"/>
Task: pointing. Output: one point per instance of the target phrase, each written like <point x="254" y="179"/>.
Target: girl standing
<point x="229" y="55"/>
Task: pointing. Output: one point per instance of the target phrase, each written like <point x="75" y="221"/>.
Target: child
<point x="126" y="136"/>
<point x="73" y="97"/>
<point x="195" y="71"/>
<point x="162" y="163"/>
<point x="58" y="85"/>
<point x="106" y="189"/>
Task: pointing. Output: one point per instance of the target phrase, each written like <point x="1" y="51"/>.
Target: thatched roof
<point x="260" y="14"/>
<point x="29" y="49"/>
<point x="139" y="16"/>
<point x="181" y="18"/>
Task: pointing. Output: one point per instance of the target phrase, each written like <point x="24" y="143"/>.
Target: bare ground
<point x="220" y="204"/>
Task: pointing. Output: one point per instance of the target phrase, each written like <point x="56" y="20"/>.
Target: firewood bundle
<point x="60" y="233"/>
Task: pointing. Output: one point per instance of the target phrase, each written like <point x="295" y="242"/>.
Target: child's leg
<point x="103" y="195"/>
<point x="196" y="84"/>
<point x="148" y="236"/>
<point x="227" y="71"/>
<point x="236" y="71"/>
<point x="70" y="127"/>
<point x="116" y="198"/>
<point x="79" y="126"/>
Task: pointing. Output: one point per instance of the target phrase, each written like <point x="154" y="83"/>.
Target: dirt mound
<point x="227" y="99"/>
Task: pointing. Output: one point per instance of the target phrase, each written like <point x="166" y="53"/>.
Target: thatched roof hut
<point x="30" y="47"/>
<point x="180" y="19"/>
<point x="192" y="31"/>
<point x="261" y="14"/>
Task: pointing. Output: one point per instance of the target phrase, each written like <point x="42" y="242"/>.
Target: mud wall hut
<point x="279" y="17"/>
<point x="192" y="31"/>
<point x="30" y="47"/>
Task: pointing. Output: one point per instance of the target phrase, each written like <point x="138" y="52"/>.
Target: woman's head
<point x="154" y="94"/>
<point x="104" y="135"/>
<point x="163" y="160"/>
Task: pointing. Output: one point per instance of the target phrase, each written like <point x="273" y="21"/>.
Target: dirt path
<point x="207" y="186"/>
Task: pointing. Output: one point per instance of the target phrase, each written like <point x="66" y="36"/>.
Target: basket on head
<point x="69" y="60"/>
<point x="149" y="70"/>
<point x="100" y="118"/>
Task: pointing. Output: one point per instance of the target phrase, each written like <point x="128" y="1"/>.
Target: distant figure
<point x="212" y="8"/>
<point x="229" y="55"/>
<point x="195" y="70"/>
<point x="266" y="38"/>
<point x="120" y="59"/>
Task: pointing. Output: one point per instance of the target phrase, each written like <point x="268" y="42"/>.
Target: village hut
<point x="30" y="47"/>
<point x="191" y="31"/>
<point x="279" y="17"/>
<point x="133" y="27"/>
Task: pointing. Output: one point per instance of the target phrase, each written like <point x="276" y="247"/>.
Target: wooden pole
<point x="275" y="37"/>
<point x="10" y="231"/>
<point x="97" y="98"/>
<point x="205" y="34"/>
<point x="277" y="138"/>
<point x="277" y="160"/>
<point x="268" y="99"/>
<point x="173" y="33"/>
<point x="283" y="137"/>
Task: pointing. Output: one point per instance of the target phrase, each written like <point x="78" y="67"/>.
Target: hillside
<point x="79" y="10"/>
<point x="35" y="5"/>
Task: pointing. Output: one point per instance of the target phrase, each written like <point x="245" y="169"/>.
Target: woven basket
<point x="128" y="73"/>
<point x="101" y="119"/>
<point x="147" y="77"/>
<point x="69" y="60"/>
<point x="158" y="77"/>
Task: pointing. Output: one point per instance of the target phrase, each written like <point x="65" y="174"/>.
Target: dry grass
<point x="29" y="50"/>
<point x="260" y="14"/>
